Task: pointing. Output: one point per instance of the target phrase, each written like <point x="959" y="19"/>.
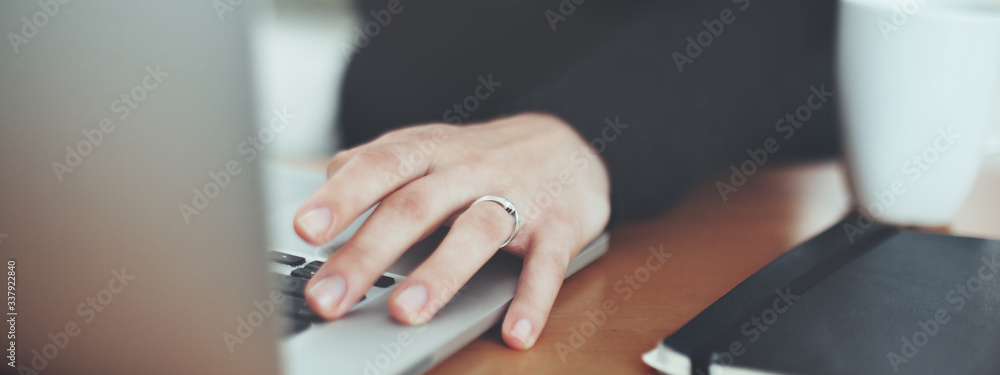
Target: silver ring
<point x="507" y="206"/>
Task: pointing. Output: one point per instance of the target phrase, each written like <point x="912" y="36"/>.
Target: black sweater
<point x="697" y="82"/>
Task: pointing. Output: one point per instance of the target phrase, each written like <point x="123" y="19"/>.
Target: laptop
<point x="139" y="234"/>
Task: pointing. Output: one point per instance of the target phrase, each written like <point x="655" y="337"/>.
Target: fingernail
<point x="328" y="292"/>
<point x="522" y="332"/>
<point x="316" y="222"/>
<point x="412" y="300"/>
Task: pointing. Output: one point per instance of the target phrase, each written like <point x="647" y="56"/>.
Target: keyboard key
<point x="314" y="265"/>
<point x="298" y="308"/>
<point x="305" y="313"/>
<point x="291" y="285"/>
<point x="291" y="304"/>
<point x="305" y="273"/>
<point x="287" y="259"/>
<point x="385" y="281"/>
<point x="299" y="325"/>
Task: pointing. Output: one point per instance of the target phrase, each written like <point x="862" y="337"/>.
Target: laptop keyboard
<point x="291" y="275"/>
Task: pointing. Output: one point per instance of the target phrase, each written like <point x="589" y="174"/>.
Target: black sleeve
<point x="698" y="83"/>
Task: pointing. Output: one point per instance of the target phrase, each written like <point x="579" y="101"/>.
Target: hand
<point x="426" y="176"/>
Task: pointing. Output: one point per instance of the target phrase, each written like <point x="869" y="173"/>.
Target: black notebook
<point x="857" y="299"/>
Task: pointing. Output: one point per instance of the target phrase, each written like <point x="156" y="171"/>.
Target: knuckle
<point x="437" y="130"/>
<point x="553" y="261"/>
<point x="564" y="225"/>
<point x="392" y="135"/>
<point x="359" y="258"/>
<point x="475" y="161"/>
<point x="474" y="164"/>
<point x="382" y="158"/>
<point x="557" y="223"/>
<point x="369" y="263"/>
<point x="492" y="225"/>
<point x="407" y="204"/>
<point x="338" y="162"/>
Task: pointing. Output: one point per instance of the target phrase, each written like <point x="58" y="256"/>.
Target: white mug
<point x="921" y="87"/>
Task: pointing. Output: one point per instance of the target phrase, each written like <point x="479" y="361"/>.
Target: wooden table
<point x="713" y="245"/>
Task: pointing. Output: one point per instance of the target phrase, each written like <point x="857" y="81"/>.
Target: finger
<point x="476" y="235"/>
<point x="451" y="220"/>
<point x="340" y="159"/>
<point x="424" y="137"/>
<point x="409" y="214"/>
<point x="542" y="276"/>
<point x="364" y="179"/>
